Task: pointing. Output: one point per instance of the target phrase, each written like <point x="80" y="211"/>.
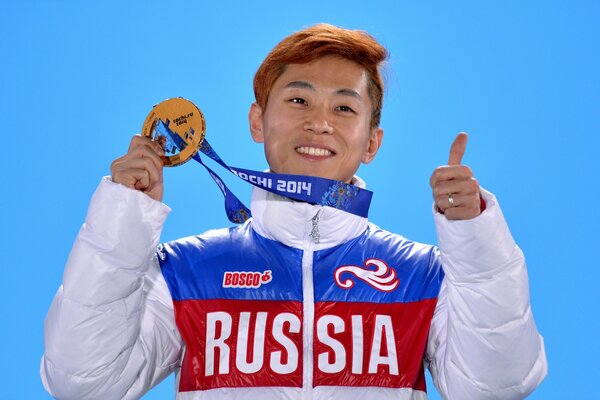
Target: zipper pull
<point x="314" y="233"/>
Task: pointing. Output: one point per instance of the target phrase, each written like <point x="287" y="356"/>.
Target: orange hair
<point x="324" y="40"/>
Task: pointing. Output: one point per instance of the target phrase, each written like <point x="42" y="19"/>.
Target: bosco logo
<point x="246" y="279"/>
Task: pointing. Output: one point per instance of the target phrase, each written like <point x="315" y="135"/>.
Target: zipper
<point x="314" y="233"/>
<point x="308" y="305"/>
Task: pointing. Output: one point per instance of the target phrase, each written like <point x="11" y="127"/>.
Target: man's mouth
<point x="314" y="151"/>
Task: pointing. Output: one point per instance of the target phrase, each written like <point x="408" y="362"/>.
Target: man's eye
<point x="344" y="109"/>
<point x="297" y="100"/>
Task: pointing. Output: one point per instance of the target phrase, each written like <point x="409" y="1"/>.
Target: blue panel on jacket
<point x="237" y="263"/>
<point x="378" y="266"/>
<point x="199" y="267"/>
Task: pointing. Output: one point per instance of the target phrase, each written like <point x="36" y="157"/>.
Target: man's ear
<point x="256" y="123"/>
<point x="375" y="139"/>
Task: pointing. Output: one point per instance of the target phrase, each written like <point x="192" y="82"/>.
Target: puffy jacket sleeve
<point x="110" y="332"/>
<point x="483" y="342"/>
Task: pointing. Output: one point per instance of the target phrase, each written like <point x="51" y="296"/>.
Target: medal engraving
<point x="178" y="126"/>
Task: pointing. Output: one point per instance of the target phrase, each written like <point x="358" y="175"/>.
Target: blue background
<point x="78" y="78"/>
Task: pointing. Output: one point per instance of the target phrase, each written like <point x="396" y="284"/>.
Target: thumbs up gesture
<point x="455" y="190"/>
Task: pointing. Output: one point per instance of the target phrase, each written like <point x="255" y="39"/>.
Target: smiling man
<point x="317" y="120"/>
<point x="303" y="301"/>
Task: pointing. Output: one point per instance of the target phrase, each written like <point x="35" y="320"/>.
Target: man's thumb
<point x="457" y="150"/>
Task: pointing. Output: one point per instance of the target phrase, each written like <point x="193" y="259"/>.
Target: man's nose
<point x="318" y="123"/>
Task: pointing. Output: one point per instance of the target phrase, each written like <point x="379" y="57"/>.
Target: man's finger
<point x="457" y="150"/>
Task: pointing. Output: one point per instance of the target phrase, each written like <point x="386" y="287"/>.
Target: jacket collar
<point x="293" y="223"/>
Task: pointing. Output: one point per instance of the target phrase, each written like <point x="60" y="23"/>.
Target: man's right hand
<point x="141" y="168"/>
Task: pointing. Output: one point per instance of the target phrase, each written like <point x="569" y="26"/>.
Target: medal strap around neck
<point x="309" y="189"/>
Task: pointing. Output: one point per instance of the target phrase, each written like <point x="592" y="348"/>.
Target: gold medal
<point x="178" y="126"/>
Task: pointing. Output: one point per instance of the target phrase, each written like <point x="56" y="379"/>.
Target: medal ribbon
<point x="309" y="189"/>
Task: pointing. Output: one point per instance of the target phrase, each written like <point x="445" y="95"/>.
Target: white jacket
<point x="110" y="332"/>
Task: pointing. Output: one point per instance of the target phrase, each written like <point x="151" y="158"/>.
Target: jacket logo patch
<point x="382" y="278"/>
<point x="246" y="279"/>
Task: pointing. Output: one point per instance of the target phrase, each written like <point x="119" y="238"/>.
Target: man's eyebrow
<point x="300" y="85"/>
<point x="349" y="92"/>
<point x="308" y="85"/>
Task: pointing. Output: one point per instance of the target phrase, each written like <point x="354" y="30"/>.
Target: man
<point x="302" y="301"/>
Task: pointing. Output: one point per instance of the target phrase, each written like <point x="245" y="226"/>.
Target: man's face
<point x="317" y="120"/>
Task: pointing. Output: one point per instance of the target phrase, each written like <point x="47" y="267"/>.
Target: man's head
<point x="319" y="41"/>
<point x="318" y="103"/>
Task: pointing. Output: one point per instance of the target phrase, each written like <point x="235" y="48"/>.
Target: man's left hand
<point x="455" y="190"/>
